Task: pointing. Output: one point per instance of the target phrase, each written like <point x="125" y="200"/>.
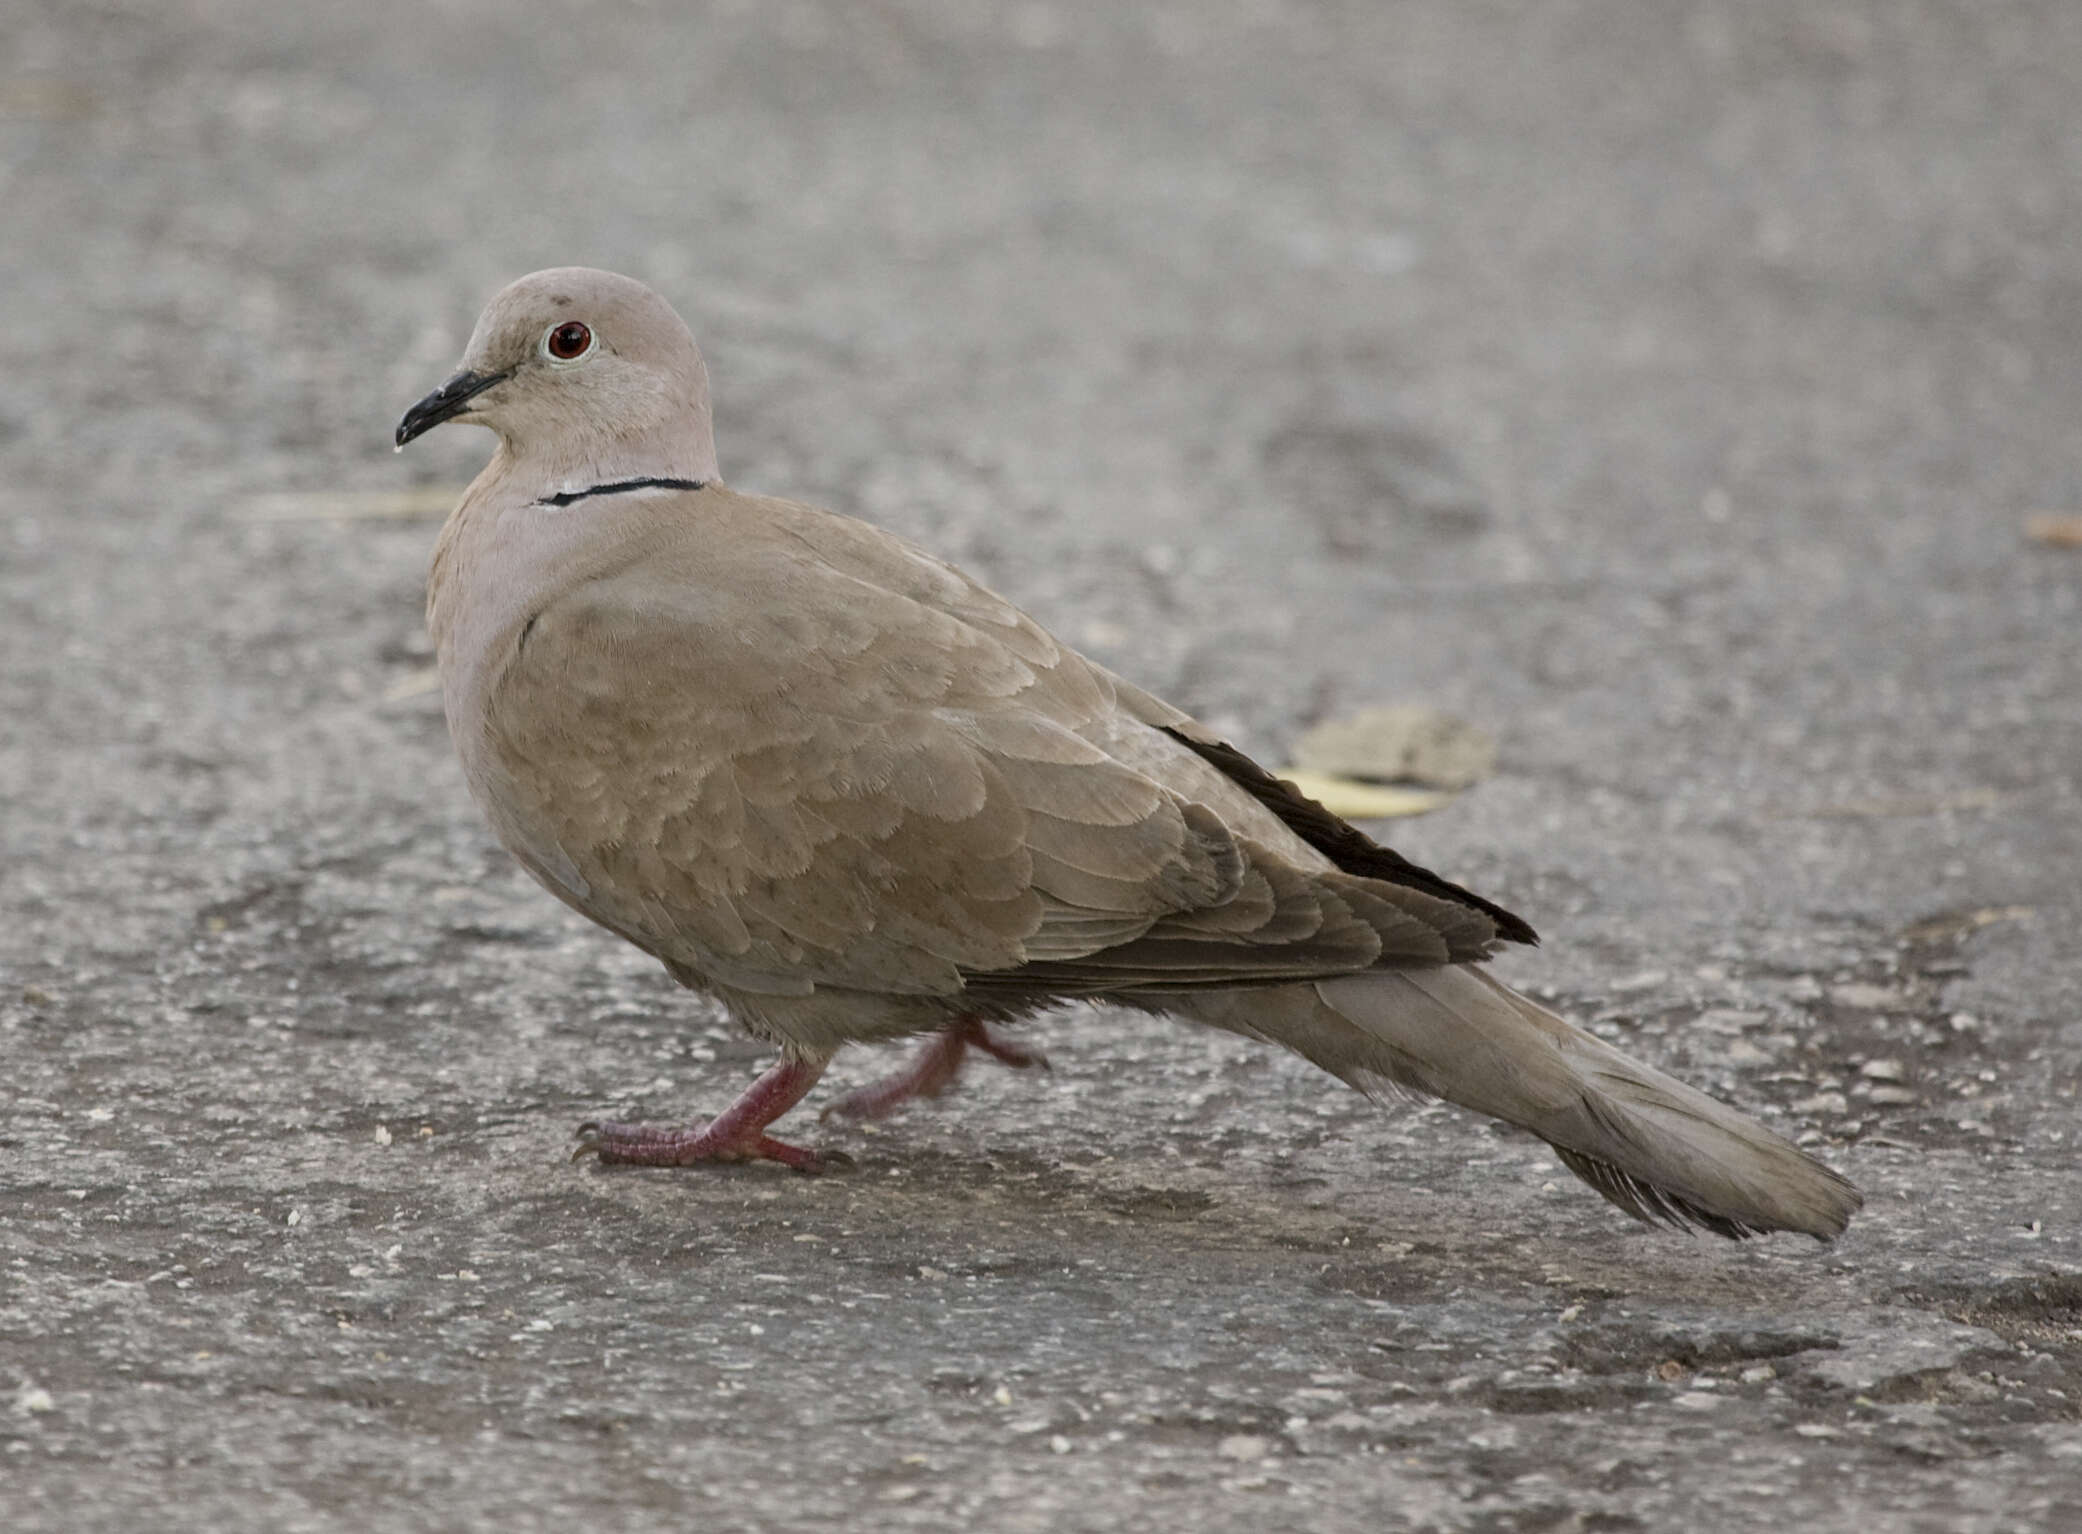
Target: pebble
<point x="1730" y="1019"/>
<point x="1823" y="1102"/>
<point x="1867" y="998"/>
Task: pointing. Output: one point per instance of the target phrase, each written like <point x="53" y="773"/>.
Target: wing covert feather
<point x="859" y="769"/>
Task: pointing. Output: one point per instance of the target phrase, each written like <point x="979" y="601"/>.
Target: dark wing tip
<point x="1350" y="848"/>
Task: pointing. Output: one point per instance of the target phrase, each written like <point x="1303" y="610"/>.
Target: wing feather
<point x="820" y="758"/>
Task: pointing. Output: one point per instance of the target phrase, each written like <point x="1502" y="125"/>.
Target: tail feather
<point x="1658" y="1149"/>
<point x="1652" y="1205"/>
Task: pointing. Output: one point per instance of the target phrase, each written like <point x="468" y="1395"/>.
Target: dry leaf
<point x="1947" y="928"/>
<point x="2055" y="530"/>
<point x="1399" y="744"/>
<point x="349" y="505"/>
<point x="413" y="684"/>
<point x="1350" y="799"/>
<point x="41" y="96"/>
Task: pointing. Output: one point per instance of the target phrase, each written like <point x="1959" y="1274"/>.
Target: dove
<point x="850" y="794"/>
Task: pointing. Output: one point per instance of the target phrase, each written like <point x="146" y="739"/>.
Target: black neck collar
<point x="616" y="487"/>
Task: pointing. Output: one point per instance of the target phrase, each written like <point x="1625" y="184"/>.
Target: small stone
<point x="1697" y="1400"/>
<point x="1867" y="998"/>
<point x="383" y="1134"/>
<point x="1883" y="1070"/>
<point x="1893" y="1097"/>
<point x="1730" y="1020"/>
<point x="1243" y="1446"/>
<point x="1977" y="1388"/>
<point x="1059" y="1444"/>
<point x="33" y="1401"/>
<point x="1823" y="1102"/>
<point x="1640" y="980"/>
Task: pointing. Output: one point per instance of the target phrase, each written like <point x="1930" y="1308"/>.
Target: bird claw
<point x="619" y="1144"/>
<point x="738" y="1133"/>
<point x="588" y="1137"/>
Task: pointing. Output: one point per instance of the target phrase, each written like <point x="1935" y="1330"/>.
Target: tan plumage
<point x="834" y="782"/>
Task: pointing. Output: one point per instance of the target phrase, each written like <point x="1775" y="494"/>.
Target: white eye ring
<point x="567" y="343"/>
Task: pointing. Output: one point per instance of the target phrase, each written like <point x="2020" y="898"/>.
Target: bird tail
<point x="1652" y="1145"/>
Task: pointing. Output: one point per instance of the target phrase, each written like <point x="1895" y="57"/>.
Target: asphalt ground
<point x="1664" y="387"/>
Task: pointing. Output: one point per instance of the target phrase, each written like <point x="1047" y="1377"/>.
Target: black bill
<point x="446" y="402"/>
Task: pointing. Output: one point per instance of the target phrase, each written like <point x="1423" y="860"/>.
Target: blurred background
<point x="1683" y="391"/>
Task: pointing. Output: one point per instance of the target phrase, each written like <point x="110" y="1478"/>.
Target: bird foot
<point x="933" y="1070"/>
<point x="620" y="1144"/>
<point x="737" y="1134"/>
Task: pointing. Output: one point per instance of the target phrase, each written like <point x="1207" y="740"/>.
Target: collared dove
<point x="834" y="783"/>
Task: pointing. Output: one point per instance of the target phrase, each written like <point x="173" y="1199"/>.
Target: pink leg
<point x="737" y="1134"/>
<point x="933" y="1070"/>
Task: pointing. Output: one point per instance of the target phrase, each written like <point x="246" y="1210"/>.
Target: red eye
<point x="568" y="342"/>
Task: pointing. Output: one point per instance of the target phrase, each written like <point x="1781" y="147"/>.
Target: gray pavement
<point x="1662" y="386"/>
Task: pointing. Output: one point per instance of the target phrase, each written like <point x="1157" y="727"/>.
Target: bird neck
<point x="567" y="470"/>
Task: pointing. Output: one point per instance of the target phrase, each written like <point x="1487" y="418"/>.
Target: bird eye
<point x="568" y="342"/>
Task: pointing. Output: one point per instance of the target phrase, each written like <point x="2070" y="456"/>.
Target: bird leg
<point x="933" y="1069"/>
<point x="738" y="1133"/>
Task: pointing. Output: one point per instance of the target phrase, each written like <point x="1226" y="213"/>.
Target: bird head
<point x="573" y="363"/>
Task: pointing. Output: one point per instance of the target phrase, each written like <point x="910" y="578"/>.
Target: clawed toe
<point x="616" y="1144"/>
<point x="737" y="1134"/>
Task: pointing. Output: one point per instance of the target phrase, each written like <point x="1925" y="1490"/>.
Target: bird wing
<point x="783" y="749"/>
